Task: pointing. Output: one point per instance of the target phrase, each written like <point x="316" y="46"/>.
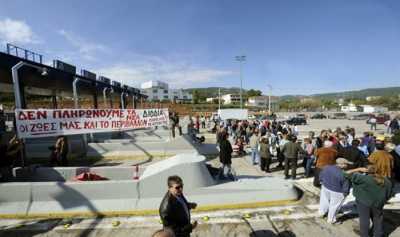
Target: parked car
<point x="296" y="121"/>
<point x="318" y="116"/>
<point x="338" y="116"/>
<point x="360" y="117"/>
<point x="301" y="116"/>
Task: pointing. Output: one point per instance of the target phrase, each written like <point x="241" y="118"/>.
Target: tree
<point x="251" y="93"/>
<point x="195" y="97"/>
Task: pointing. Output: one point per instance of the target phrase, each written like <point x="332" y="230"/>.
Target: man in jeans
<point x="372" y="121"/>
<point x="291" y="151"/>
<point x="254" y="143"/>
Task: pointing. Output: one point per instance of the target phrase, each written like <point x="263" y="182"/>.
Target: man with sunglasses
<point x="175" y="209"/>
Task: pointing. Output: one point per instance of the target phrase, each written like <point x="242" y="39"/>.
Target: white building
<point x="230" y="99"/>
<point x="349" y="108"/>
<point x="373" y="109"/>
<point x="371" y="98"/>
<point x="211" y="99"/>
<point x="158" y="90"/>
<point x="262" y="101"/>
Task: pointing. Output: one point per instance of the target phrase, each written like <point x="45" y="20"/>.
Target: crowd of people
<point x="337" y="159"/>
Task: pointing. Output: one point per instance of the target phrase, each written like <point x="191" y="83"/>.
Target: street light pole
<point x="18" y="97"/>
<point x="219" y="99"/>
<point x="269" y="98"/>
<point x="241" y="59"/>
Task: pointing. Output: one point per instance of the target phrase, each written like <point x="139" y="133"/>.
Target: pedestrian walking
<point x="372" y="121"/>
<point x="175" y="209"/>
<point x="203" y="122"/>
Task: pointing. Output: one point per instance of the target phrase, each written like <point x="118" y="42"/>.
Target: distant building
<point x="340" y="101"/>
<point x="373" y="109"/>
<point x="371" y="98"/>
<point x="307" y="99"/>
<point x="262" y="101"/>
<point x="158" y="90"/>
<point x="213" y="100"/>
<point x="231" y="99"/>
<point x="349" y="108"/>
<point x="210" y="99"/>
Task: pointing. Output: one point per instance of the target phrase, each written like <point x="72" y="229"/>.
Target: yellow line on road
<point x="89" y="214"/>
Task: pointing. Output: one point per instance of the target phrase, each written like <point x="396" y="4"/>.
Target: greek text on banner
<point x="53" y="122"/>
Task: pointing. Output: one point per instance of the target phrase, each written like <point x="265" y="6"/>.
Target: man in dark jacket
<point x="175" y="209"/>
<point x="394" y="125"/>
<point x="371" y="191"/>
<point x="291" y="151"/>
<point x="225" y="157"/>
<point x="396" y="156"/>
<point x="354" y="155"/>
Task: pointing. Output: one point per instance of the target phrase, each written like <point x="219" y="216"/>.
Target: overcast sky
<point x="297" y="46"/>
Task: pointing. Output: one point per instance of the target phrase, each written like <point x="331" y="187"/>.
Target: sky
<point x="291" y="46"/>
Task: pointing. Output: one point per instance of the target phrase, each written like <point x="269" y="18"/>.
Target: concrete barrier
<point x="134" y="197"/>
<point x="78" y="146"/>
<point x="62" y="174"/>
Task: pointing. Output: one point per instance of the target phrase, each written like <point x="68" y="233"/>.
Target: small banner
<point x="33" y="123"/>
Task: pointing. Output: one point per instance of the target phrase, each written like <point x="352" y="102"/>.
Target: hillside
<point x="361" y="94"/>
<point x="357" y="94"/>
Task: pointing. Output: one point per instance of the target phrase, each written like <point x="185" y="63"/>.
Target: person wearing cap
<point x="371" y="191"/>
<point x="324" y="156"/>
<point x="335" y="187"/>
<point x="382" y="159"/>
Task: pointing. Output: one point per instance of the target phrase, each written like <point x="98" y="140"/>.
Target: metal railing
<point x="24" y="53"/>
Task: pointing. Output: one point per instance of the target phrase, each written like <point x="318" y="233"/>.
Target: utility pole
<point x="219" y="99"/>
<point x="269" y="99"/>
<point x="241" y="59"/>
